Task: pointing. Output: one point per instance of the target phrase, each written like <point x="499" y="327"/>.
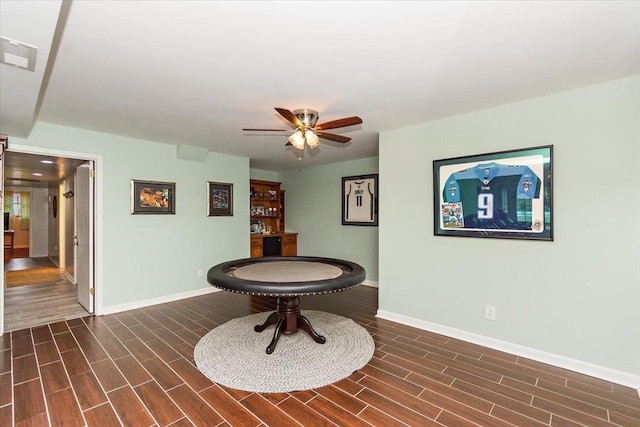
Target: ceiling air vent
<point x="17" y="54"/>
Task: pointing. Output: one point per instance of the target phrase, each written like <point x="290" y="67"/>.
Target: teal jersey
<point x="493" y="195"/>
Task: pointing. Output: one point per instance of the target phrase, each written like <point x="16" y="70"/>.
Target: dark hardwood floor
<point x="136" y="369"/>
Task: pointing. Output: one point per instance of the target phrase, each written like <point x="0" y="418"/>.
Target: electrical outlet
<point x="490" y="312"/>
<point x="200" y="273"/>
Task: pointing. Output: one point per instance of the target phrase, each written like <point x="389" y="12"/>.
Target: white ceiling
<point x="197" y="72"/>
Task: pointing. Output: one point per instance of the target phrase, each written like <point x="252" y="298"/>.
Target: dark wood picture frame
<point x="360" y="200"/>
<point x="153" y="197"/>
<point x="504" y="194"/>
<point x="219" y="199"/>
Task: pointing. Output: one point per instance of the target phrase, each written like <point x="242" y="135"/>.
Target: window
<point x="18" y="204"/>
<point x="15" y="205"/>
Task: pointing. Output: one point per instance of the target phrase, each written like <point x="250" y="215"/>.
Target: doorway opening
<point x="47" y="278"/>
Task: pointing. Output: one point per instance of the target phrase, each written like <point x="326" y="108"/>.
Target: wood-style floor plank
<point x="88" y="390"/>
<point x="29" y="402"/>
<point x="63" y="409"/>
<point x="54" y="378"/>
<point x="335" y="413"/>
<point x="129" y="408"/>
<point x="108" y="375"/>
<point x="194" y="407"/>
<point x="228" y="407"/>
<point x="101" y="416"/>
<point x="303" y="414"/>
<point x="136" y="368"/>
<point x="162" y="408"/>
<point x="269" y="413"/>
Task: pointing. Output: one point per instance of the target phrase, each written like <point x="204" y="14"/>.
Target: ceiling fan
<point x="307" y="131"/>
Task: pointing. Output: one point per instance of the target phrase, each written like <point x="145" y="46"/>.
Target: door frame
<point x="86" y="300"/>
<point x="97" y="225"/>
<point x="3" y="149"/>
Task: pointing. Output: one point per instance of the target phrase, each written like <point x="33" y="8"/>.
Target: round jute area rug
<point x="233" y="354"/>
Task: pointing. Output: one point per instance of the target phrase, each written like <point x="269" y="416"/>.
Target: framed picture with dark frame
<point x="504" y="194"/>
<point x="219" y="199"/>
<point x="360" y="200"/>
<point x="153" y="197"/>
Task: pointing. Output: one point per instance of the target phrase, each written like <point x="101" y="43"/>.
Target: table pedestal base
<point x="288" y="320"/>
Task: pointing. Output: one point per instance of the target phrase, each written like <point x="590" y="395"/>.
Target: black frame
<point x="369" y="209"/>
<point x="525" y="199"/>
<point x="219" y="199"/>
<point x="141" y="199"/>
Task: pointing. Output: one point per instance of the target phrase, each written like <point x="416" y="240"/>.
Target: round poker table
<point x="286" y="278"/>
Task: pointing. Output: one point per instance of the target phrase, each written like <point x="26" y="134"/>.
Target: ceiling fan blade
<point x="289" y="116"/>
<point x="333" y="137"/>
<point x="267" y="130"/>
<point x="347" y="121"/>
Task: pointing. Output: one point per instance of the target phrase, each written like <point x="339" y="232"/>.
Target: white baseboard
<point x="69" y="277"/>
<point x="175" y="297"/>
<point x="160" y="300"/>
<point x="370" y="283"/>
<point x="54" y="261"/>
<point x="587" y="368"/>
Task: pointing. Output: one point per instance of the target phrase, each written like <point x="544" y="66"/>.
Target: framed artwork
<point x="219" y="199"/>
<point x="506" y="194"/>
<point x="153" y="197"/>
<point x="360" y="200"/>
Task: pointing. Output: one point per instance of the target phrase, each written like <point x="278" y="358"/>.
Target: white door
<point x="2" y="150"/>
<point x="83" y="238"/>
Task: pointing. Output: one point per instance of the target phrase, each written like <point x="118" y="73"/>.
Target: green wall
<point x="577" y="297"/>
<point x="314" y="210"/>
<point x="264" y="175"/>
<point x="145" y="257"/>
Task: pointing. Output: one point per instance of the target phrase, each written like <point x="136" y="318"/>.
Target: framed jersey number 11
<point x="360" y="200"/>
<point x="505" y="194"/>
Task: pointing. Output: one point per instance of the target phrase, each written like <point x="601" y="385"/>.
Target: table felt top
<point x="287" y="271"/>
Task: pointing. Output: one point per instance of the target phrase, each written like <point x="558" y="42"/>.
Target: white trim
<point x="97" y="159"/>
<point x="70" y="278"/>
<point x="175" y="297"/>
<point x="370" y="283"/>
<point x="159" y="300"/>
<point x="53" y="261"/>
<point x="98" y="233"/>
<point x="587" y="368"/>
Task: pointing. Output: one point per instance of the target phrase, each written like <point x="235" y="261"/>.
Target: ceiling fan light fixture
<point x="312" y="138"/>
<point x="307" y="116"/>
<point x="297" y="140"/>
<point x="307" y="132"/>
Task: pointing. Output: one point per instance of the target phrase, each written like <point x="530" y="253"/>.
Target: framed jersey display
<point x="360" y="200"/>
<point x="506" y="194"/>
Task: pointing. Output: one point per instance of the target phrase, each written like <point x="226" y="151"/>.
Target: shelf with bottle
<point x="258" y="211"/>
<point x="263" y="196"/>
<point x="265" y="206"/>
